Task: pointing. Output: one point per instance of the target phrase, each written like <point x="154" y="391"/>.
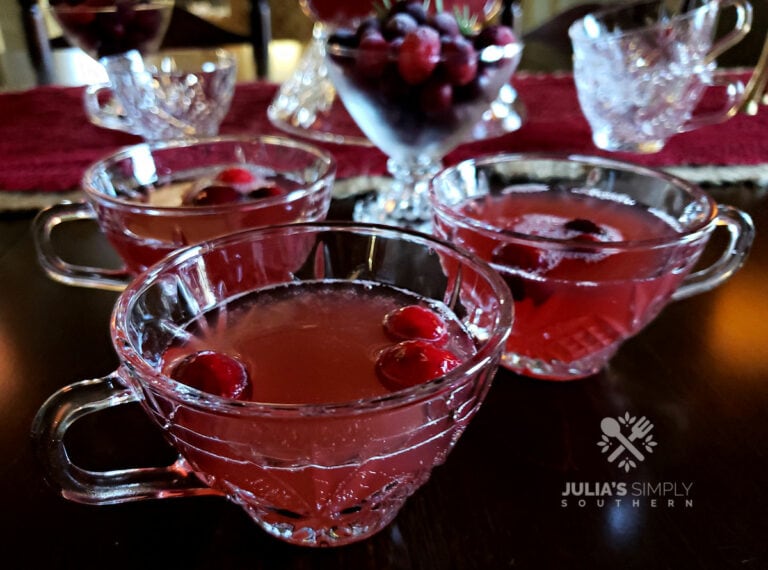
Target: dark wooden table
<point x="699" y="373"/>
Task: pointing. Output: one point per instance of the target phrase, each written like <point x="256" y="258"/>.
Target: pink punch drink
<point x="591" y="249"/>
<point x="314" y="374"/>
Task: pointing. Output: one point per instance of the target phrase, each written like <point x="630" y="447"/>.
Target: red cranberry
<point x="370" y="24"/>
<point x="235" y="176"/>
<point x="413" y="362"/>
<point x="518" y="256"/>
<point x="414" y="8"/>
<point x="372" y="55"/>
<point x="436" y="97"/>
<point x="583" y="226"/>
<point x="460" y="60"/>
<point x="445" y="23"/>
<point x="399" y="25"/>
<point x="215" y="373"/>
<point x="265" y="192"/>
<point x="215" y="196"/>
<point x="495" y="35"/>
<point x="415" y="322"/>
<point x="588" y="238"/>
<point x="419" y="54"/>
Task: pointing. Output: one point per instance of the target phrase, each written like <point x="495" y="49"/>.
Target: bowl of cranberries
<point x="109" y="27"/>
<point x="417" y="80"/>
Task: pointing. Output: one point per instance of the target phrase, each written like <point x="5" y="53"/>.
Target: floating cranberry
<point x="419" y="55"/>
<point x="265" y="192"/>
<point x="583" y="226"/>
<point x="521" y="288"/>
<point x="588" y="238"/>
<point x="214" y="196"/>
<point x="235" y="176"/>
<point x="413" y="362"/>
<point x="415" y="322"/>
<point x="215" y="373"/>
<point x="518" y="256"/>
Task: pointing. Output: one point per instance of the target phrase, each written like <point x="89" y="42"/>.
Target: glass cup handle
<point x="105" y="115"/>
<point x="742" y="233"/>
<point x="741" y="27"/>
<point x="60" y="270"/>
<point x="735" y="90"/>
<point x="73" y="402"/>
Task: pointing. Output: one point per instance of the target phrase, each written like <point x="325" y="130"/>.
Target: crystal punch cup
<point x="176" y="94"/>
<point x="642" y="68"/>
<point x="137" y="195"/>
<point x="592" y="249"/>
<point x="316" y="474"/>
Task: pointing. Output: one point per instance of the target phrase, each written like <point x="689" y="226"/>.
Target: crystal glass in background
<point x="321" y="474"/>
<point x="303" y="105"/>
<point x="641" y="69"/>
<point x="411" y="125"/>
<point x="177" y="94"/>
<point x="592" y="249"/>
<point x="137" y="197"/>
<point x="109" y="27"/>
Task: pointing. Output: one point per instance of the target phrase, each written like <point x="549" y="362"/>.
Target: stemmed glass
<point x="303" y="104"/>
<point x="416" y="97"/>
<point x="306" y="104"/>
<point x="109" y="27"/>
<point x="112" y="28"/>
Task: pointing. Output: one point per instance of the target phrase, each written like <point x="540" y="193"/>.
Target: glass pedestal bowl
<point x="416" y="108"/>
<point x="109" y="27"/>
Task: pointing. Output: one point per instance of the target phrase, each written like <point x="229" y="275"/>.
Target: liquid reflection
<point x="622" y="522"/>
<point x="10" y="387"/>
<point x="738" y="327"/>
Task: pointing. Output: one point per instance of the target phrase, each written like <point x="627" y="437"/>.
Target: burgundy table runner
<point x="46" y="141"/>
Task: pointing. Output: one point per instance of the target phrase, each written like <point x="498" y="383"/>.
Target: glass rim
<point x="680" y="237"/>
<point x="325" y="179"/>
<point x="490" y="10"/>
<point x="138" y="4"/>
<point x="150" y="375"/>
<point x="489" y="54"/>
<point x="577" y="30"/>
<point x="227" y="59"/>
